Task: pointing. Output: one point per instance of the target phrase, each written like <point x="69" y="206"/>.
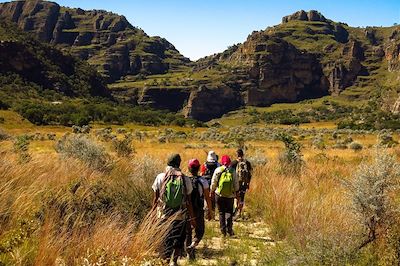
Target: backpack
<point x="197" y="199"/>
<point x="243" y="173"/>
<point x="172" y="194"/>
<point x="225" y="183"/>
<point x="210" y="168"/>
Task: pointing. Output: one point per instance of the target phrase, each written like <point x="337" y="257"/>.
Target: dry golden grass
<point x="310" y="209"/>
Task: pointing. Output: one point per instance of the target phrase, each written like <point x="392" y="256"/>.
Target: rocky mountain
<point x="30" y="69"/>
<point x="306" y="56"/>
<point x="106" y="40"/>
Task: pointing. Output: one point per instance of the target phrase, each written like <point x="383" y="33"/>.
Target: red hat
<point x="194" y="163"/>
<point x="225" y="160"/>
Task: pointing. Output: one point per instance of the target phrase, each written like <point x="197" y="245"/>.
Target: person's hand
<point x="240" y="206"/>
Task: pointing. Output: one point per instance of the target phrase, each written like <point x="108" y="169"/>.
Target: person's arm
<point x="192" y="217"/>
<point x="155" y="199"/>
<point x="237" y="187"/>
<point x="207" y="197"/>
<point x="214" y="181"/>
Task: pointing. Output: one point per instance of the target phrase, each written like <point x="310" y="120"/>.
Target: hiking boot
<point x="231" y="233"/>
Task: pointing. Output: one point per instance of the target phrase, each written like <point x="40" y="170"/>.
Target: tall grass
<point x="56" y="209"/>
<point x="313" y="219"/>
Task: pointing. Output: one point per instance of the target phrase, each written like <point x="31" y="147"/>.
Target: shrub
<point x="385" y="139"/>
<point x="318" y="142"/>
<point x="123" y="147"/>
<point x="355" y="146"/>
<point x="258" y="158"/>
<point x="370" y="192"/>
<point x="21" y="147"/>
<point x="291" y="159"/>
<point x="82" y="148"/>
<point x="4" y="135"/>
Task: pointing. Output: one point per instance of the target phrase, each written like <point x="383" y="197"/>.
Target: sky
<point x="198" y="28"/>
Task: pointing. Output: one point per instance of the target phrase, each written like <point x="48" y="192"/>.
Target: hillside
<point x="31" y="70"/>
<point x="306" y="56"/>
<point x="106" y="40"/>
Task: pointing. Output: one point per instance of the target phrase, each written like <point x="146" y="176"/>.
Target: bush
<point x="291" y="159"/>
<point x="123" y="147"/>
<point x="258" y="158"/>
<point x="355" y="146"/>
<point x="318" y="142"/>
<point x="385" y="139"/>
<point x="82" y="148"/>
<point x="21" y="147"/>
<point x="4" y="135"/>
<point x="370" y="192"/>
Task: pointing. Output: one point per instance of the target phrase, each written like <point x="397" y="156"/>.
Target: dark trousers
<point x="198" y="231"/>
<point x="175" y="239"/>
<point x="225" y="208"/>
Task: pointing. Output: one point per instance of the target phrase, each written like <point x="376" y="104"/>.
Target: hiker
<point x="243" y="172"/>
<point x="201" y="193"/>
<point x="207" y="171"/>
<point x="208" y="168"/>
<point x="225" y="188"/>
<point x="172" y="192"/>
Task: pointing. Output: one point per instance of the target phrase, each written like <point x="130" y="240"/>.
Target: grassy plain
<point x="58" y="210"/>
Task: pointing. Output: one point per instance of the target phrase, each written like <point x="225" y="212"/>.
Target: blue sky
<point x="202" y="27"/>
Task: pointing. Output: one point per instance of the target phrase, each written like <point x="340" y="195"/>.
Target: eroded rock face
<point x="393" y="56"/>
<point x="301" y="15"/>
<point x="278" y="72"/>
<point x="207" y="103"/>
<point x="101" y="37"/>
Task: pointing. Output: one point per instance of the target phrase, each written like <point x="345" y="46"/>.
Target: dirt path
<point x="245" y="248"/>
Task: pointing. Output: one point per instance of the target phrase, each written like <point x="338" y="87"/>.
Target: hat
<point x="225" y="160"/>
<point x="193" y="164"/>
<point x="174" y="160"/>
<point x="212" y="157"/>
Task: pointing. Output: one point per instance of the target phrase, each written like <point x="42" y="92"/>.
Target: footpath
<point x="245" y="248"/>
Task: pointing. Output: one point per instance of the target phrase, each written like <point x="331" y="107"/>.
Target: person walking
<point x="225" y="188"/>
<point x="201" y="193"/>
<point x="243" y="172"/>
<point x="172" y="191"/>
<point x="207" y="171"/>
<point x="208" y="168"/>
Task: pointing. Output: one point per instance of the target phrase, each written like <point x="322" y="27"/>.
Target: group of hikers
<point x="186" y="200"/>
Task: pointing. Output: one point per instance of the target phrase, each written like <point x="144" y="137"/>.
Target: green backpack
<point x="225" y="183"/>
<point x="174" y="190"/>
